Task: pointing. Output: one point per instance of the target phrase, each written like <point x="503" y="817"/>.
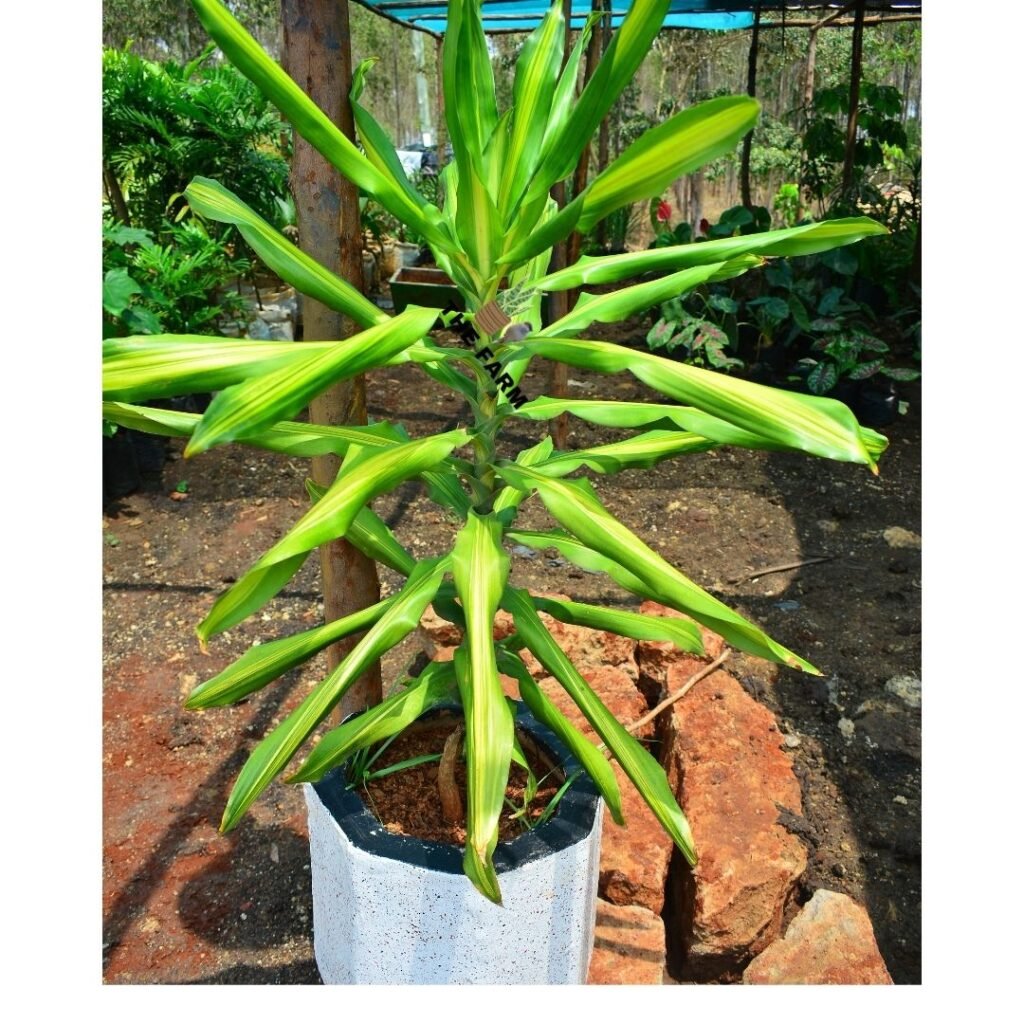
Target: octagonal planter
<point x="391" y="909"/>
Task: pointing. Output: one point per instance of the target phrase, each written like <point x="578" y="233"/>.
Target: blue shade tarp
<point x="525" y="15"/>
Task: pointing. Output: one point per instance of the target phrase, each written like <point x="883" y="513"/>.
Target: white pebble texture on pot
<point x="390" y="909"/>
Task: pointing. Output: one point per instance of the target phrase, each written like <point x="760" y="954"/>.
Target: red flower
<point x="664" y="212"/>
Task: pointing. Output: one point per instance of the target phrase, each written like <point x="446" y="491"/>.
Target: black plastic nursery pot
<point x="395" y="909"/>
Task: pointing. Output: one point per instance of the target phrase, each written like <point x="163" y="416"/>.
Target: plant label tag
<point x="490" y="318"/>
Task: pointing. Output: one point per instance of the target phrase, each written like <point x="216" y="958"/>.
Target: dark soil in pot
<point x="408" y="801"/>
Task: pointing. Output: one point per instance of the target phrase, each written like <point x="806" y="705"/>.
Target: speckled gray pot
<point x="391" y="909"/>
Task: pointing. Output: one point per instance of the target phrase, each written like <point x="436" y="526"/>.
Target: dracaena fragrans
<point x="493" y="234"/>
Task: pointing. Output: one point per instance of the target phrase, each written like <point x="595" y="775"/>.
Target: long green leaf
<point x="304" y="440"/>
<point x="592" y="760"/>
<point x="309" y="120"/>
<point x="821" y="426"/>
<point x="371" y="535"/>
<point x="277" y="749"/>
<point x="626" y="51"/>
<point x="799" y="241"/>
<point x="579" y="554"/>
<point x="684" y="143"/>
<point x="611" y="307"/>
<point x="640" y="452"/>
<point x="649" y="414"/>
<point x="333" y="515"/>
<point x="358" y="482"/>
<point x="434" y="685"/>
<point x="537" y="69"/>
<point x="263" y="663"/>
<point x="259" y="402"/>
<point x="478" y="223"/>
<point x="166" y="365"/>
<point x="681" y="632"/>
<point x="379" y="149"/>
<point x="480" y="568"/>
<point x="640" y="767"/>
<point x="248" y="595"/>
<point x="213" y="200"/>
<point x="575" y="506"/>
<point x="531" y="239"/>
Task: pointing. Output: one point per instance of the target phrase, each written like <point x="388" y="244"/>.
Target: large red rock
<point x="830" y="942"/>
<point x="655" y="657"/>
<point x="731" y="777"/>
<point x="617" y="691"/>
<point x="629" y="947"/>
<point x="635" y="858"/>
<point x="586" y="649"/>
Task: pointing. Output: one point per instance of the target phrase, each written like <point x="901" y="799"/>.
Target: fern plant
<point x="496" y="224"/>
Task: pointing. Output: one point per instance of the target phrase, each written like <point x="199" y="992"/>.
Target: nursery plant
<point x="493" y="233"/>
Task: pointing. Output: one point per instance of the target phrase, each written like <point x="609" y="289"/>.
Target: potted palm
<point x="493" y="235"/>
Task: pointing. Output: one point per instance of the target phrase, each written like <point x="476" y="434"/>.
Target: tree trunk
<point x="812" y="57"/>
<point x="851" y="124"/>
<point x="115" y="195"/>
<point x="317" y="54"/>
<point x="751" y="91"/>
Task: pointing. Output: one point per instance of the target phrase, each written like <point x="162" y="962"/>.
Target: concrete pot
<point x="407" y="253"/>
<point x="391" y="909"/>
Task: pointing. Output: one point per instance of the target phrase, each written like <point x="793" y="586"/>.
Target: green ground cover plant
<point x="495" y="223"/>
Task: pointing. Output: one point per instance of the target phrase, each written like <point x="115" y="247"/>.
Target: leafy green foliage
<point x="493" y="230"/>
<point x="164" y="123"/>
<point x="173" y="286"/>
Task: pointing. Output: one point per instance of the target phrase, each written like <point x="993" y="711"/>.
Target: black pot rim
<point x="572" y="821"/>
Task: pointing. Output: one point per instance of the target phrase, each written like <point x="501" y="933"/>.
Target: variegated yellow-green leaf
<point x="681" y="632"/>
<point x="595" y="763"/>
<point x="359" y="481"/>
<point x="480" y="568"/>
<point x="166" y="365"/>
<point x="579" y="554"/>
<point x="259" y="402"/>
<point x="628" y="47"/>
<point x="640" y="767"/>
<point x="611" y="307"/>
<point x="576" y="507"/>
<point x="302" y="439"/>
<point x="248" y="595"/>
<point x="799" y="241"/>
<point x="213" y="200"/>
<point x="434" y="684"/>
<point x="277" y="749"/>
<point x="511" y="497"/>
<point x="687" y="418"/>
<point x="379" y="149"/>
<point x="640" y="452"/>
<point x="821" y="426"/>
<point x="309" y="120"/>
<point x="681" y="144"/>
<point x="537" y="70"/>
<point x="263" y="663"/>
<point x="371" y="535"/>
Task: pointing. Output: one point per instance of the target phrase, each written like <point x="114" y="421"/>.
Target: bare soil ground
<point x="184" y="904"/>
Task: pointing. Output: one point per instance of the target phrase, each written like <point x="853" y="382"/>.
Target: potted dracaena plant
<point x="493" y="235"/>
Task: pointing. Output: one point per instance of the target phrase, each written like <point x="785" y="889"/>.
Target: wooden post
<point x="558" y="302"/>
<point x="851" y="124"/>
<point x="442" y="127"/>
<point x="579" y="180"/>
<point x="751" y="91"/>
<point x="317" y="54"/>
